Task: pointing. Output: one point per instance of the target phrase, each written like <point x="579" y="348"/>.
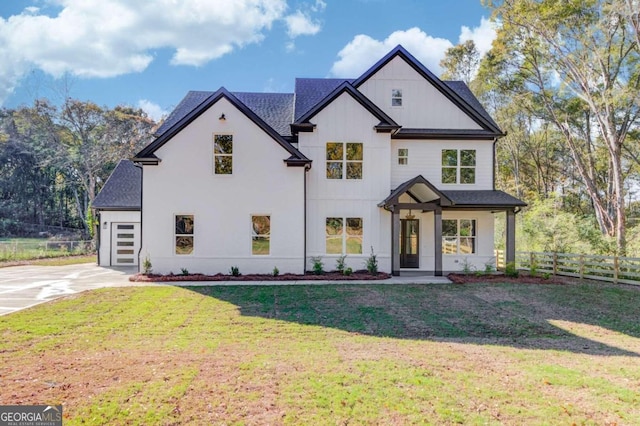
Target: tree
<point x="576" y="65"/>
<point x="461" y="62"/>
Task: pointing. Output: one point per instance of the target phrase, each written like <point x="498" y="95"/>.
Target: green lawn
<point x="374" y="354"/>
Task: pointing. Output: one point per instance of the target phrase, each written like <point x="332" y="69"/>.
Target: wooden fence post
<point x="582" y="266"/>
<point x="616" y="266"/>
<point x="555" y="263"/>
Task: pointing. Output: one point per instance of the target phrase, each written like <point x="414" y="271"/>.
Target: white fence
<point x="616" y="269"/>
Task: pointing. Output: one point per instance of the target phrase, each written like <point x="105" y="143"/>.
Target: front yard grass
<point x="361" y="354"/>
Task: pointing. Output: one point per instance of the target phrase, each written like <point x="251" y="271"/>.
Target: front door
<point x="125" y="243"/>
<point x="409" y="243"/>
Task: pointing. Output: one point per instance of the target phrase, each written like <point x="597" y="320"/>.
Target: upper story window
<point x="344" y="235"/>
<point x="396" y="97"/>
<point x="344" y="160"/>
<point x="458" y="236"/>
<point x="403" y="156"/>
<point x="459" y="166"/>
<point x="260" y="235"/>
<point x="184" y="234"/>
<point x="223" y="154"/>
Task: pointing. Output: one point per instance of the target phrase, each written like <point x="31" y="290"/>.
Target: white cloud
<point x="300" y="23"/>
<point x="153" y="110"/>
<point x="363" y="51"/>
<point x="482" y="36"/>
<point x="106" y="38"/>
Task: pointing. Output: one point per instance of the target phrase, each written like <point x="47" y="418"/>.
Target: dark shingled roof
<point x="188" y="103"/>
<point x="123" y="189"/>
<point x="465" y="93"/>
<point x="276" y="109"/>
<point x="310" y="91"/>
<point x="483" y="198"/>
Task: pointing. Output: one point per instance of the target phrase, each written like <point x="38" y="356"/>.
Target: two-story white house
<point x="395" y="161"/>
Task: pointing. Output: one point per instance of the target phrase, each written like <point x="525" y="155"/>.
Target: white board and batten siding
<point x="222" y="205"/>
<point x="344" y="120"/>
<point x="423" y="105"/>
<point x="425" y="158"/>
<point x="119" y="238"/>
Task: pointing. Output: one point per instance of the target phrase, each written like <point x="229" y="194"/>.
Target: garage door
<point x="125" y="243"/>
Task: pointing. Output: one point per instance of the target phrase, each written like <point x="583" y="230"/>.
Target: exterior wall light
<point x="222" y="117"/>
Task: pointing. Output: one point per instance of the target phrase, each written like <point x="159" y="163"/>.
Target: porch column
<point x="510" y="252"/>
<point x="437" y="243"/>
<point x="395" y="242"/>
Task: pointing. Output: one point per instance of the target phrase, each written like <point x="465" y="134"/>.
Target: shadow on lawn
<point x="516" y="315"/>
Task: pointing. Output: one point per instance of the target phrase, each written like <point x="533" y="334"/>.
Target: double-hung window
<point x="344" y="160"/>
<point x="458" y="236"/>
<point x="459" y="166"/>
<point x="183" y="234"/>
<point x="260" y="235"/>
<point x="403" y="156"/>
<point x="223" y="154"/>
<point x="344" y="235"/>
<point x="396" y="97"/>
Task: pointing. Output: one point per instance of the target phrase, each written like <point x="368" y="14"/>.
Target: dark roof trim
<point x="117" y="209"/>
<point x="405" y="133"/>
<point x="394" y="197"/>
<point x="429" y="76"/>
<point x="297" y="162"/>
<point x="302" y="127"/>
<point x="151" y="160"/>
<point x="200" y="109"/>
<point x="385" y="120"/>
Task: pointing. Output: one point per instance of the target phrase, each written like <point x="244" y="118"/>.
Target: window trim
<point x="260" y="235"/>
<point x="458" y="237"/>
<point x="395" y="97"/>
<point x="213" y="150"/>
<point x="191" y="235"/>
<point x="404" y="157"/>
<point x="344" y="235"/>
<point x="344" y="162"/>
<point x="458" y="167"/>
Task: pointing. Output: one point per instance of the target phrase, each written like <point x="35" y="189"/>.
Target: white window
<point x="183" y="234"/>
<point x="459" y="166"/>
<point x="260" y="235"/>
<point x="344" y="235"/>
<point x="458" y="236"/>
<point x="344" y="160"/>
<point x="403" y="156"/>
<point x="223" y="154"/>
<point x="396" y="97"/>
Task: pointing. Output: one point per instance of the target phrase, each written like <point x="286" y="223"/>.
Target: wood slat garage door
<point x="125" y="243"/>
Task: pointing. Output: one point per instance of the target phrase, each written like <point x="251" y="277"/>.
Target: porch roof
<point x="426" y="196"/>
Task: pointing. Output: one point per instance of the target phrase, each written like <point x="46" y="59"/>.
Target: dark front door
<point x="409" y="243"/>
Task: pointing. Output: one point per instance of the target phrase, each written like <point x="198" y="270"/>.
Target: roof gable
<point x="179" y="124"/>
<point x="386" y="122"/>
<point x="455" y="92"/>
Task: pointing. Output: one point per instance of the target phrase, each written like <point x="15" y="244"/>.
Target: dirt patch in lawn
<point x="327" y="276"/>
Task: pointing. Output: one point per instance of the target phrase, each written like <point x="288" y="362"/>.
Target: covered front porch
<point x="435" y="231"/>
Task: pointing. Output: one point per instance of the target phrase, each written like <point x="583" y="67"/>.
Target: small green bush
<point x="184" y="271"/>
<point x="511" y="270"/>
<point x="147" y="266"/>
<point x="467" y="267"/>
<point x="340" y="263"/>
<point x="489" y="267"/>
<point x="275" y="271"/>
<point x="372" y="263"/>
<point x="235" y="271"/>
<point x="348" y="271"/>
<point x="318" y="265"/>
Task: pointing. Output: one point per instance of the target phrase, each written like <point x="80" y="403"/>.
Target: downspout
<point x="304" y="267"/>
<point x="98" y="239"/>
<point x="495" y="142"/>
<point x="141" y="215"/>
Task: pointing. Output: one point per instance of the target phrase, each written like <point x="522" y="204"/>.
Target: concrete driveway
<point x="25" y="286"/>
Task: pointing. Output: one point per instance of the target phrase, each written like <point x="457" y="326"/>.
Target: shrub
<point x="372" y="263"/>
<point x="533" y="269"/>
<point x="511" y="270"/>
<point x="467" y="267"/>
<point x="318" y="265"/>
<point x="340" y="263"/>
<point x="275" y="271"/>
<point x="146" y="266"/>
<point x="235" y="271"/>
<point x="546" y="275"/>
<point x="489" y="267"/>
<point x="184" y="271"/>
<point x="348" y="271"/>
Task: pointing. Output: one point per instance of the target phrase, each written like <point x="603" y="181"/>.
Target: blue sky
<point x="150" y="53"/>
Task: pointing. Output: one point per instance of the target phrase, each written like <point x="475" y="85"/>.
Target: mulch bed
<point x="523" y="278"/>
<point x="327" y="276"/>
